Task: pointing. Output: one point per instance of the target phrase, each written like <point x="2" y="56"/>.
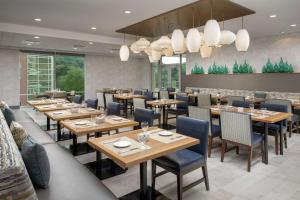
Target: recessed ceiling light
<point x="127" y="12"/>
<point x="91" y="43"/>
<point x="38" y="19"/>
<point x="36" y="37"/>
<point x="75" y="48"/>
<point x="273" y="16"/>
<point x="93" y="28"/>
<point x="282" y="32"/>
<point x="29" y="44"/>
<point x="293" y="25"/>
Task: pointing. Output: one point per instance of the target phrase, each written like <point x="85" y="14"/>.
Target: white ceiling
<point x="67" y="22"/>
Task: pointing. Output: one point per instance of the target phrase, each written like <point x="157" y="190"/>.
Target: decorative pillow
<point x="37" y="163"/>
<point x="19" y="133"/>
<point x="9" y="115"/>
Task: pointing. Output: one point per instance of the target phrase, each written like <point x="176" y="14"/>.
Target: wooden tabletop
<point x="46" y="102"/>
<point x="255" y="100"/>
<point x="54" y="107"/>
<point x="158" y="149"/>
<point x="256" y="115"/>
<point x="105" y="126"/>
<point x="163" y="102"/>
<point x="67" y="114"/>
<point x="128" y="96"/>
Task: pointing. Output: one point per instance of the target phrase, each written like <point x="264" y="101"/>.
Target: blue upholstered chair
<point x="180" y="109"/>
<point x="148" y="95"/>
<point x="141" y="103"/>
<point x="230" y="99"/>
<point x="77" y="99"/>
<point x="92" y="103"/>
<point x="244" y="104"/>
<point x="186" y="160"/>
<point x="237" y="129"/>
<point x="170" y="89"/>
<point x="113" y="108"/>
<point x="142" y="115"/>
<point x="205" y="114"/>
<point x="260" y="94"/>
<point x="138" y="92"/>
<point x="274" y="129"/>
<point x="9" y="115"/>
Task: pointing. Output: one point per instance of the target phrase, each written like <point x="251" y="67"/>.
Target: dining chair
<point x="101" y="102"/>
<point x="230" y="99"/>
<point x="204" y="100"/>
<point x="77" y="99"/>
<point x="92" y="103"/>
<point x="163" y="94"/>
<point x="113" y="108"/>
<point x="260" y="94"/>
<point x="293" y="121"/>
<point x="141" y="103"/>
<point x="205" y="114"/>
<point x="108" y="98"/>
<point x="237" y="129"/>
<point x="148" y="95"/>
<point x="138" y="92"/>
<point x="244" y="104"/>
<point x="180" y="109"/>
<point x="142" y="115"/>
<point x="187" y="160"/>
<point x="170" y="89"/>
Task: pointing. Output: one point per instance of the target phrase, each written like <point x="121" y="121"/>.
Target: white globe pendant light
<point x="164" y="42"/>
<point x="142" y="44"/>
<point x="242" y="40"/>
<point x="124" y="53"/>
<point x="212" y="33"/>
<point x="168" y="52"/>
<point x="177" y="41"/>
<point x="134" y="48"/>
<point x="205" y="51"/>
<point x="227" y="37"/>
<point x="156" y="55"/>
<point x="193" y="40"/>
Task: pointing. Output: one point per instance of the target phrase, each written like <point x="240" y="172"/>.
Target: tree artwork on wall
<point x="197" y="70"/>
<point x="214" y="69"/>
<point x="281" y="67"/>
<point x="244" y="68"/>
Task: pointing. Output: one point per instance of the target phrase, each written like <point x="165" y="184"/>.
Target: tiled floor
<point x="280" y="179"/>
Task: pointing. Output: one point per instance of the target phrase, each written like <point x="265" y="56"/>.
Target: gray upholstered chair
<point x="108" y="98"/>
<point x="101" y="102"/>
<point x="237" y="129"/>
<point x="230" y="99"/>
<point x="204" y="100"/>
<point x="205" y="114"/>
<point x="163" y="94"/>
<point x="260" y="94"/>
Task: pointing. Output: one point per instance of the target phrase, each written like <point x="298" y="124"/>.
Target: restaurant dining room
<point x="149" y="100"/>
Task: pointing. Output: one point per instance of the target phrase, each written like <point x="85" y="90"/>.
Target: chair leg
<point x="262" y="149"/>
<point x="153" y="168"/>
<point x="179" y="186"/>
<point x="159" y="121"/>
<point x="250" y="158"/>
<point x="87" y="137"/>
<point x="210" y="141"/>
<point x="205" y="175"/>
<point x="276" y="144"/>
<point x="285" y="140"/>
<point x="237" y="150"/>
<point x="223" y="150"/>
<point x="291" y="129"/>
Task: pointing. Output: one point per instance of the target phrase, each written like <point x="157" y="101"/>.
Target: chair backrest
<point x="101" y="102"/>
<point x="77" y="99"/>
<point x="195" y="90"/>
<point x="92" y="103"/>
<point x="142" y="115"/>
<point x="113" y="108"/>
<point x="163" y="94"/>
<point x="277" y="108"/>
<point x="244" y="104"/>
<point x="185" y="100"/>
<point x="230" y="99"/>
<point x="260" y="94"/>
<point x="148" y="95"/>
<point x="201" y="114"/>
<point x="137" y="92"/>
<point x="194" y="128"/>
<point x="236" y="127"/>
<point x="285" y="102"/>
<point x="170" y="89"/>
<point x="139" y="103"/>
<point x="108" y="98"/>
<point x="204" y="100"/>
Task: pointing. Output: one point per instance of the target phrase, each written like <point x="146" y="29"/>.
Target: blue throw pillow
<point x="9" y="116"/>
<point x="37" y="163"/>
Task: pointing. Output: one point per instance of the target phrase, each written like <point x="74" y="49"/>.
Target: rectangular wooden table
<point x="45" y="102"/>
<point x="258" y="116"/>
<point x="107" y="125"/>
<point x="124" y="98"/>
<point x="60" y="115"/>
<point x="157" y="149"/>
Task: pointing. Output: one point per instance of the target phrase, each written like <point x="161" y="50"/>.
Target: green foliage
<point x="235" y="69"/>
<point x="197" y="70"/>
<point x="281" y="67"/>
<point x="214" y="69"/>
<point x="244" y="68"/>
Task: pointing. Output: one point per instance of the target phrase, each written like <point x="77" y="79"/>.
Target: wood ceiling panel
<point x="182" y="17"/>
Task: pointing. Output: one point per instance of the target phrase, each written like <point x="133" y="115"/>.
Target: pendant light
<point x="193" y="39"/>
<point x="242" y="39"/>
<point x="205" y="51"/>
<point x="212" y="31"/>
<point x="156" y="55"/>
<point x="124" y="51"/>
<point x="142" y="44"/>
<point x="164" y="42"/>
<point x="168" y="52"/>
<point x="155" y="45"/>
<point x="134" y="48"/>
<point x="177" y="41"/>
<point x="227" y="37"/>
<point x="148" y="51"/>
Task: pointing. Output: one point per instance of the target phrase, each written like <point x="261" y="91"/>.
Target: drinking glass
<point x="251" y="106"/>
<point x="143" y="137"/>
<point x="93" y="119"/>
<point x="84" y="105"/>
<point x="263" y="110"/>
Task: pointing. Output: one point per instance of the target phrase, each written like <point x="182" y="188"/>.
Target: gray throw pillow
<point x="37" y="163"/>
<point x="9" y="116"/>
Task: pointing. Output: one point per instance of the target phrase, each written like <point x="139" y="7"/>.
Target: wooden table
<point x="125" y="97"/>
<point x="278" y="117"/>
<point x="58" y="116"/>
<point x="163" y="103"/>
<point x="158" y="149"/>
<point x="94" y="128"/>
<point x="46" y="102"/>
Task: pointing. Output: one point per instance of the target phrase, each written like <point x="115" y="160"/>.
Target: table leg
<point x="266" y="159"/>
<point x="143" y="180"/>
<point x="74" y="149"/>
<point x="281" y="137"/>
<point x="58" y="131"/>
<point x="48" y="124"/>
<point x="98" y="164"/>
<point x="125" y="109"/>
<point x="164" y="116"/>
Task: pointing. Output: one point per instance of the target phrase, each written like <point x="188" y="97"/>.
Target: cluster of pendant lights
<point x="195" y="41"/>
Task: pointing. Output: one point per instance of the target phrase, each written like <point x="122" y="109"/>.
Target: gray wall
<point x="286" y="46"/>
<point x="10" y="76"/>
<point x="109" y="71"/>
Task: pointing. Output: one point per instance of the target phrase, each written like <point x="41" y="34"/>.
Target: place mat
<point x="166" y="139"/>
<point x="134" y="148"/>
<point x="110" y="120"/>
